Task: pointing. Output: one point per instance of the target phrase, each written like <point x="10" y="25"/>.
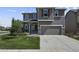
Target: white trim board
<point x="51" y="25"/>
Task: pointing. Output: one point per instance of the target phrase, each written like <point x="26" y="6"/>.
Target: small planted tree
<point x="16" y="26"/>
<point x="12" y="30"/>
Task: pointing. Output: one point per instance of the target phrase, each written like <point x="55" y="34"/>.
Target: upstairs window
<point x="59" y="12"/>
<point x="25" y="17"/>
<point x="56" y="13"/>
<point x="34" y="16"/>
<point x="30" y="16"/>
<point x="45" y="12"/>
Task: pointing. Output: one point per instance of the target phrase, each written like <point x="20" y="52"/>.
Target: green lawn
<point x="75" y="36"/>
<point x="19" y="42"/>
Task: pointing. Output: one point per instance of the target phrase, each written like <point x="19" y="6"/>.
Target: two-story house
<point x="46" y="21"/>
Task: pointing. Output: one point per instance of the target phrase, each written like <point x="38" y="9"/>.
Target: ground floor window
<point x="26" y="27"/>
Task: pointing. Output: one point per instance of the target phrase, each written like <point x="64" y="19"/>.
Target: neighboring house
<point x="8" y="28"/>
<point x="46" y="21"/>
<point x="2" y="28"/>
<point x="72" y="21"/>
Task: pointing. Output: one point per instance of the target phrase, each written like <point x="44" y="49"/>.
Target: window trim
<point x="45" y="11"/>
<point x="34" y="16"/>
<point x="56" y="12"/>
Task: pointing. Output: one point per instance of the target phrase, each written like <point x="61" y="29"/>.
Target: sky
<point x="7" y="13"/>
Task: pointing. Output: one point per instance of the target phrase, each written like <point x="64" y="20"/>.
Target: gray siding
<point x="60" y="21"/>
<point x="70" y="22"/>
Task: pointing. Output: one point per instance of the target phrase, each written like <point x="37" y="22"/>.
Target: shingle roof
<point x="30" y="13"/>
<point x="60" y="8"/>
<point x="75" y="10"/>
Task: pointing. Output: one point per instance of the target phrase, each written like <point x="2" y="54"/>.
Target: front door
<point x="34" y="28"/>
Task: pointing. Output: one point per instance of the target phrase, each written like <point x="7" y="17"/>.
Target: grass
<point x="75" y="36"/>
<point x="19" y="42"/>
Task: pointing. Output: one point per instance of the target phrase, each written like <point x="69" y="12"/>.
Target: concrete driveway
<point x="58" y="43"/>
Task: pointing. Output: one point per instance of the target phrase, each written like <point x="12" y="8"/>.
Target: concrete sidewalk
<point x="4" y="33"/>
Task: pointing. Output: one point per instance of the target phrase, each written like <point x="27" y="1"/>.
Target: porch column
<point x="29" y="28"/>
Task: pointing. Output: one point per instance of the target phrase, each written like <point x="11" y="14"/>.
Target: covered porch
<point x="30" y="27"/>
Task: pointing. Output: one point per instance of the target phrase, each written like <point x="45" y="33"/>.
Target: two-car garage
<point x="51" y="30"/>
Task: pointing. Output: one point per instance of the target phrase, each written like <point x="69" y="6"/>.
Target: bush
<point x="69" y="34"/>
<point x="77" y="38"/>
<point x="21" y="34"/>
<point x="12" y="36"/>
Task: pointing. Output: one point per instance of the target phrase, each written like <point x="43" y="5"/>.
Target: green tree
<point x="12" y="27"/>
<point x="16" y="26"/>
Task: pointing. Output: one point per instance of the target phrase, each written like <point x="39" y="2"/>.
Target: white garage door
<point x="50" y="30"/>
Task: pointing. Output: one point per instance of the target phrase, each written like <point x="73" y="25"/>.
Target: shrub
<point x="69" y="34"/>
<point x="21" y="34"/>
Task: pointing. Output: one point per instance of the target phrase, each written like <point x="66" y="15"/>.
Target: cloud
<point x="12" y="10"/>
